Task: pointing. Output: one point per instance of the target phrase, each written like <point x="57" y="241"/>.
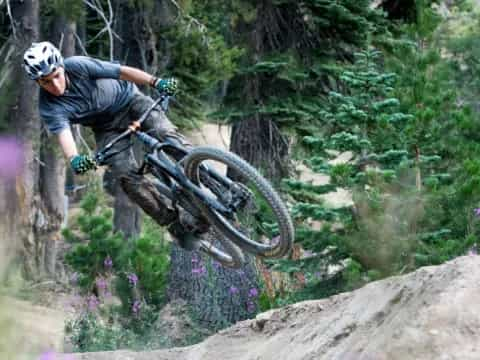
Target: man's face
<point x="54" y="82"/>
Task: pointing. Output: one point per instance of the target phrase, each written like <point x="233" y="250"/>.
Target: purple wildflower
<point x="132" y="279"/>
<point x="216" y="265"/>
<point x="253" y="292"/>
<point x="11" y="161"/>
<point x="101" y="284"/>
<point x="199" y="271"/>
<point x="233" y="290"/>
<point x="108" y="263"/>
<point x="195" y="259"/>
<point x="92" y="302"/>
<point x="136" y="306"/>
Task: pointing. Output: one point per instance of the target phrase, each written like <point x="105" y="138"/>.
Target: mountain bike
<point x="217" y="188"/>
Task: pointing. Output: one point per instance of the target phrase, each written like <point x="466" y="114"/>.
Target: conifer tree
<point x="430" y="87"/>
<point x="375" y="234"/>
<point x="292" y="50"/>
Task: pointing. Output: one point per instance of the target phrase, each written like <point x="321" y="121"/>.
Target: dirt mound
<point x="29" y="329"/>
<point x="432" y="313"/>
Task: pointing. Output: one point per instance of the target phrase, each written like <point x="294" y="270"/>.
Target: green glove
<point x="82" y="163"/>
<point x="168" y="86"/>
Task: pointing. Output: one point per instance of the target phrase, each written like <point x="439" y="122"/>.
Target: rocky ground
<point x="432" y="313"/>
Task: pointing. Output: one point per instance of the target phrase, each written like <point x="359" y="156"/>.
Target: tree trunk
<point x="127" y="217"/>
<point x="53" y="171"/>
<point x="259" y="141"/>
<point x="257" y="138"/>
<point x="138" y="48"/>
<point x="218" y="296"/>
<point x="25" y="124"/>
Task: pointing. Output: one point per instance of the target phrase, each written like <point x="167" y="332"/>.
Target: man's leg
<point x="139" y="189"/>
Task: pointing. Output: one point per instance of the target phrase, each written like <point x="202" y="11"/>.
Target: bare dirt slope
<point x="29" y="329"/>
<point x="433" y="313"/>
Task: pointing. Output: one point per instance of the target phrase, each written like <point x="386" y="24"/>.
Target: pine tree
<point x="292" y="50"/>
<point x="375" y="235"/>
<point x="445" y="129"/>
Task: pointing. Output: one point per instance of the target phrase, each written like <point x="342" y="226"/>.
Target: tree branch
<point x="80" y="44"/>
<point x="97" y="6"/>
<point x="191" y="20"/>
<point x="6" y="68"/>
<point x="9" y="11"/>
<point x="78" y="133"/>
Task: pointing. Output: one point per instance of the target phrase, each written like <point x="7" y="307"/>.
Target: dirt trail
<point x="432" y="313"/>
<point x="28" y="330"/>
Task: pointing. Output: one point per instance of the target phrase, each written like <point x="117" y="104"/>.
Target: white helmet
<point x="41" y="59"/>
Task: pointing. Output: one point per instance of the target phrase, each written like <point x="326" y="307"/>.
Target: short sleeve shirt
<point x="94" y="94"/>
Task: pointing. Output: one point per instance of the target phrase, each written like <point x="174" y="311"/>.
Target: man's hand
<point x="82" y="163"/>
<point x="168" y="86"/>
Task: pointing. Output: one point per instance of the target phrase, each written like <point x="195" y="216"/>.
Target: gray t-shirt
<point x="94" y="94"/>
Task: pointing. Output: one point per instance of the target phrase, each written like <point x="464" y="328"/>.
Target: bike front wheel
<point x="260" y="223"/>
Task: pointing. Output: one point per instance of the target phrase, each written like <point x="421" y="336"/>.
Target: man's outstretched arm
<point x="67" y="143"/>
<point x="79" y="163"/>
<point x="136" y="76"/>
<point x="140" y="77"/>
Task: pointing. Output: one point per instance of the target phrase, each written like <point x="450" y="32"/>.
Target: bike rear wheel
<point x="261" y="223"/>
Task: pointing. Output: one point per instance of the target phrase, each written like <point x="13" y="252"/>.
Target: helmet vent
<point x="44" y="49"/>
<point x="31" y="57"/>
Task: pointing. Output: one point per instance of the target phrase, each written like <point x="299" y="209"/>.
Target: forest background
<point x="391" y="84"/>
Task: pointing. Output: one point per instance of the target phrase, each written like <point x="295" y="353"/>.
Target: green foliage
<point x="90" y="333"/>
<point x="70" y="9"/>
<point x="284" y="74"/>
<point x="87" y="257"/>
<point x="432" y="86"/>
<point x="107" y="266"/>
<point x="374" y="237"/>
<point x="200" y="59"/>
<point x="146" y="257"/>
<point x="408" y="130"/>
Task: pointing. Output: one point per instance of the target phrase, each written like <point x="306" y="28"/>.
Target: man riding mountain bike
<point x="104" y="96"/>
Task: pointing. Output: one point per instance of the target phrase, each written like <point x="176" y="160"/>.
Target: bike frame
<point x="157" y="158"/>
